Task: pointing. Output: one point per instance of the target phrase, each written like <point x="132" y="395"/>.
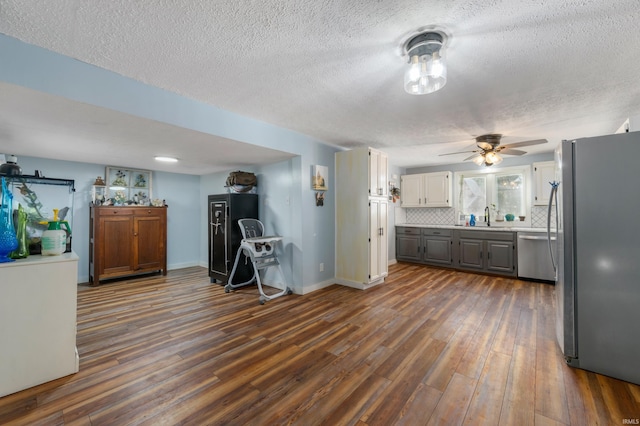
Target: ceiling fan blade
<point x="470" y="157"/>
<point x="525" y="143"/>
<point x="453" y="153"/>
<point x="510" y="151"/>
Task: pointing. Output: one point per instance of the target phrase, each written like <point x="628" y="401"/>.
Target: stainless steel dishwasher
<point x="534" y="260"/>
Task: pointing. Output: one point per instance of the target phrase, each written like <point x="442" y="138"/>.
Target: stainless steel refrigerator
<point x="598" y="261"/>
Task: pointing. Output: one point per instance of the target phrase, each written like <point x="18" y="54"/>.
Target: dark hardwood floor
<point x="429" y="346"/>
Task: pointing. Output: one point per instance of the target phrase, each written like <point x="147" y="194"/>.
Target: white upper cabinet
<point x="378" y="174"/>
<point x="543" y="173"/>
<point x="411" y="191"/>
<point x="426" y="190"/>
<point x="437" y="189"/>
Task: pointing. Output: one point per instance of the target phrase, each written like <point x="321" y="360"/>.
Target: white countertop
<point x="477" y="228"/>
<point x="39" y="259"/>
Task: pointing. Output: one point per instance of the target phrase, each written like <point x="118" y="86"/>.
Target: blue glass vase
<point x="8" y="239"/>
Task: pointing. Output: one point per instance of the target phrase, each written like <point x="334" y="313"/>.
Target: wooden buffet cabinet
<point x="126" y="240"/>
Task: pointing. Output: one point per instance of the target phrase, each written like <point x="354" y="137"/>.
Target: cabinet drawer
<point x="128" y="211"/>
<point x="486" y="235"/>
<point x="437" y="232"/>
<point x="407" y="230"/>
<point x="115" y="211"/>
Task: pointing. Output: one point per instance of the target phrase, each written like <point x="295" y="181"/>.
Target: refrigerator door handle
<point x="552" y="196"/>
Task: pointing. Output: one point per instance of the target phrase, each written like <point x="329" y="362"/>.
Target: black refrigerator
<point x="225" y="235"/>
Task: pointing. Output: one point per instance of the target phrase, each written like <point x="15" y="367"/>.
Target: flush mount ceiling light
<point x="427" y="70"/>
<point x="166" y="159"/>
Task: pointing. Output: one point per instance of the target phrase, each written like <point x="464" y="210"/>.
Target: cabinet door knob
<point x="135" y="234"/>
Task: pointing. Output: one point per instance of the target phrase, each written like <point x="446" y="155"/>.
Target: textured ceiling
<point x="333" y="70"/>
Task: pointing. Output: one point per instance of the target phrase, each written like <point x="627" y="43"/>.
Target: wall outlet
<point x="322" y="267"/>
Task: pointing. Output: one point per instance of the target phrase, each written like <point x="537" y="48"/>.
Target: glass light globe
<point x="415" y="78"/>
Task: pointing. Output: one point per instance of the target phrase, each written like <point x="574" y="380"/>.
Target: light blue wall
<point x="394" y="176"/>
<point x="180" y="191"/>
<point x="288" y="210"/>
<point x="312" y="235"/>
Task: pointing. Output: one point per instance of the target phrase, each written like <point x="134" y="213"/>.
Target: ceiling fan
<point x="489" y="147"/>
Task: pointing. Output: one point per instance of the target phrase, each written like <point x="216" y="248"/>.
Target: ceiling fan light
<point x="479" y="160"/>
<point x="492" y="158"/>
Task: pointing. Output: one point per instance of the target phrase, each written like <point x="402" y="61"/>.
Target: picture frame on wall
<point x="128" y="186"/>
<point x="320" y="178"/>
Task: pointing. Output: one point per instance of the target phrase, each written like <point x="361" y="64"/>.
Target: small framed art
<point x="320" y="178"/>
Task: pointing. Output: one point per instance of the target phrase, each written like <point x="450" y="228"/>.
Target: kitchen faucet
<point x="486" y="216"/>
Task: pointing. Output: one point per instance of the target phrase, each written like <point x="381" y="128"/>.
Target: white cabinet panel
<point x="361" y="219"/>
<point x="378" y="180"/>
<point x="378" y="249"/>
<point x="426" y="190"/>
<point x="437" y="189"/>
<point x="38" y="298"/>
<point x="411" y="191"/>
<point x="543" y="173"/>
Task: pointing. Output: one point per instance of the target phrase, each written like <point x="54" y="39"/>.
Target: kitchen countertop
<point x="477" y="228"/>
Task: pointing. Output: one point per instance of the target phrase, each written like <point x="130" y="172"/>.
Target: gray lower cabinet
<point x="486" y="251"/>
<point x="436" y="246"/>
<point x="408" y="247"/>
<point x="481" y="251"/>
<point x="470" y="254"/>
<point x="424" y="245"/>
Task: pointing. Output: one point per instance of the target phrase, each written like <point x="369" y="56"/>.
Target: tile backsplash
<point x="431" y="216"/>
<point x="447" y="216"/>
<point x="539" y="217"/>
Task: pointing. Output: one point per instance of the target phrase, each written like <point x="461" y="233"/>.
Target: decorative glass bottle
<point x="8" y="240"/>
<point x="21" y="233"/>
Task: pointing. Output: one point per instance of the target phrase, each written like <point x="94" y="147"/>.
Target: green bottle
<point x="21" y="233"/>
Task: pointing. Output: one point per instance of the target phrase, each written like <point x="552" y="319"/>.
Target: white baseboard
<point x="392" y="262"/>
<point x="314" y="287"/>
<point x="173" y="266"/>
<point x="358" y="285"/>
